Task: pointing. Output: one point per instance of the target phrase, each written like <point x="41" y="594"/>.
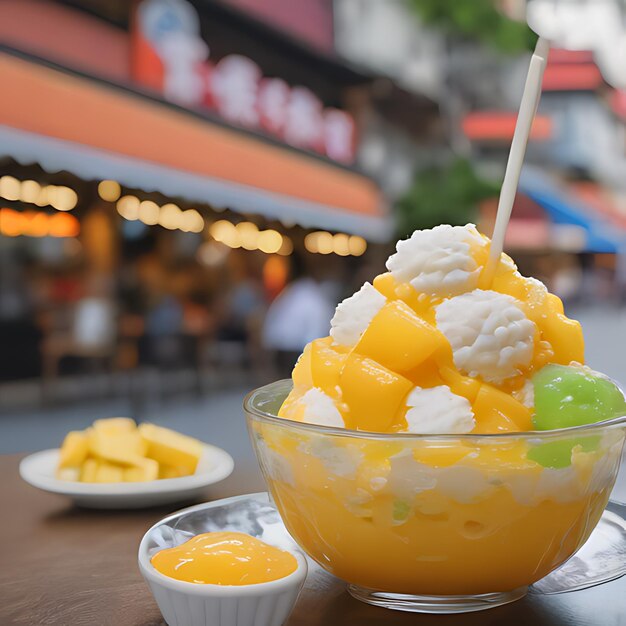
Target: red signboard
<point x="310" y="21"/>
<point x="169" y="55"/>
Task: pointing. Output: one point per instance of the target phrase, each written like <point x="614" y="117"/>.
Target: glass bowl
<point x="434" y="523"/>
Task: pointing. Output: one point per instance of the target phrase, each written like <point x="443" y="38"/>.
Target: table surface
<point x="69" y="566"/>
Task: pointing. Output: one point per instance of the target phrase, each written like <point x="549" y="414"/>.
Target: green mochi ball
<point x="558" y="454"/>
<point x="567" y="396"/>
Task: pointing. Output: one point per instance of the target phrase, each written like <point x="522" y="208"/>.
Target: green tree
<point x="443" y="195"/>
<point x="477" y="19"/>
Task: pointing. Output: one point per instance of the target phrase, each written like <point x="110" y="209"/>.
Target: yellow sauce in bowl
<point x="225" y="558"/>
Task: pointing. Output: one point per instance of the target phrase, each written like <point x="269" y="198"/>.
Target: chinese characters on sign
<point x="168" y="45"/>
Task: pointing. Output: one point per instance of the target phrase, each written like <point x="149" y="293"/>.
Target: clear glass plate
<point x="601" y="559"/>
<point x="618" y="494"/>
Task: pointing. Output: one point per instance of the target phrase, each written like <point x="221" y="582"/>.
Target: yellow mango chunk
<point x="459" y="384"/>
<point x="146" y="469"/>
<point x="289" y="407"/>
<point x="109" y="473"/>
<point x="386" y="284"/>
<point x="74" y="449"/>
<point x="372" y="392"/>
<point x="496" y="411"/>
<point x="426" y="374"/>
<point x="506" y="278"/>
<point x="420" y="303"/>
<point x="68" y="473"/>
<point x="115" y="425"/>
<point x="301" y="374"/>
<point x="398" y="339"/>
<point x="442" y="455"/>
<point x="565" y="337"/>
<point x="554" y="304"/>
<point x="121" y="448"/>
<point x="503" y="455"/>
<point x="167" y="471"/>
<point x="88" y="471"/>
<point x="171" y="448"/>
<point x="543" y="354"/>
<point x="327" y="361"/>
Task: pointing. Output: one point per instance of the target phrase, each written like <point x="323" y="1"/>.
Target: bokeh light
<point x="128" y="207"/>
<point x="149" y="212"/>
<point x="109" y="190"/>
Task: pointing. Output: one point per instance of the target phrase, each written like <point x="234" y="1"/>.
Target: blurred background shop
<point x="181" y="179"/>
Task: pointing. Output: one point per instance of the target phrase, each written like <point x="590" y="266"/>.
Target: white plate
<point x="39" y="471"/>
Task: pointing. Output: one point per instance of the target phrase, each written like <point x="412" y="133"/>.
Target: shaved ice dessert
<point x="446" y="438"/>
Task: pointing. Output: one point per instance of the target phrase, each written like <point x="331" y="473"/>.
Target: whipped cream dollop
<point x="490" y="335"/>
<point x="438" y="261"/>
<point x="437" y="410"/>
<point x="354" y="314"/>
<point x="318" y="408"/>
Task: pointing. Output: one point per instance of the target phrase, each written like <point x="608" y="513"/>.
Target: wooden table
<point x="71" y="567"/>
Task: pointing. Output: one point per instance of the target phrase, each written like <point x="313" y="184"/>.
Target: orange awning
<point x="500" y="126"/>
<point x="97" y="131"/>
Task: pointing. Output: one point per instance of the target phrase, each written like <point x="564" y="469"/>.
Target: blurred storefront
<point x="160" y="160"/>
<point x="568" y="223"/>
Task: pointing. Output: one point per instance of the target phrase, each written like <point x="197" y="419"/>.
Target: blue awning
<point x="562" y="207"/>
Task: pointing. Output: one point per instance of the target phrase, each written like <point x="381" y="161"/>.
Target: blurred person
<point x="161" y="344"/>
<point x="90" y="332"/>
<point x="163" y="330"/>
<point x="242" y="307"/>
<point x="301" y="313"/>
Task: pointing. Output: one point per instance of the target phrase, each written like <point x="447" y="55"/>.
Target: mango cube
<point x="121" y="448"/>
<point x="465" y="386"/>
<point x="399" y="339"/>
<point x="327" y="361"/>
<point x="386" y="284"/>
<point x="109" y="473"/>
<point x="421" y="303"/>
<point x="114" y="450"/>
<point x="88" y="471"/>
<point x="171" y="448"/>
<point x="289" y="409"/>
<point x="168" y="471"/>
<point x="146" y="469"/>
<point x="426" y="374"/>
<point x="115" y="425"/>
<point x="496" y="411"/>
<point x="74" y="449"/>
<point x="301" y="374"/>
<point x="565" y="336"/>
<point x="68" y="473"/>
<point x="372" y="392"/>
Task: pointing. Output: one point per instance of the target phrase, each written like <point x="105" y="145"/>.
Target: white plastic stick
<point x="527" y="110"/>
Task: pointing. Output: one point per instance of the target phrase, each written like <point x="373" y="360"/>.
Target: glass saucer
<point x="601" y="559"/>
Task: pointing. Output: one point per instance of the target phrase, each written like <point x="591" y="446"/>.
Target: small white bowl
<point x="39" y="470"/>
<point x="190" y="604"/>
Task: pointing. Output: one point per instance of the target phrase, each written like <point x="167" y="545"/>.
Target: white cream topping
<point x="338" y="460"/>
<point x="437" y="410"/>
<point x="354" y="314"/>
<point x="438" y="261"/>
<point x="490" y="335"/>
<point x="319" y="408"/>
